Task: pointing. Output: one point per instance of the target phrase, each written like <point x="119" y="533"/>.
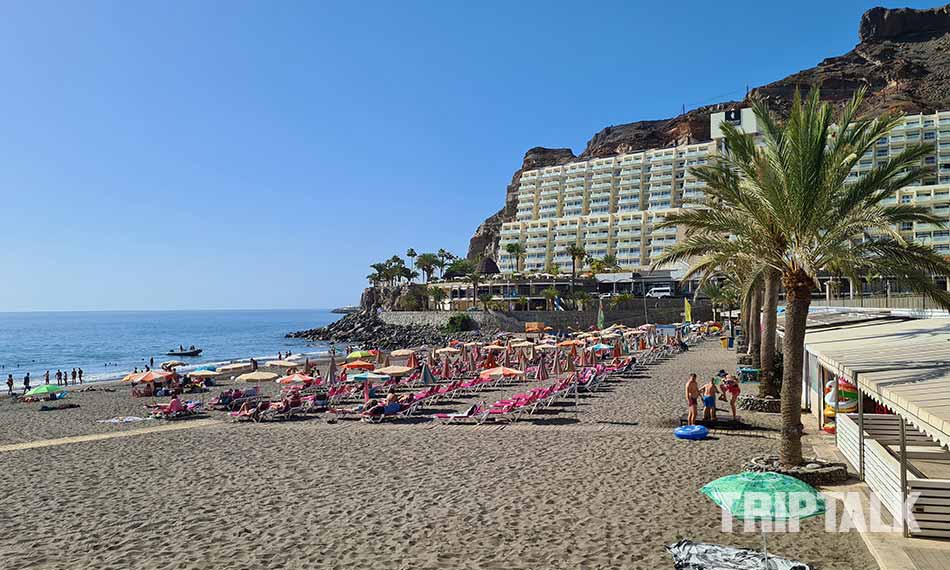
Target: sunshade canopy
<point x="44" y="389"/>
<point x="148" y="376"/>
<point x="393" y="370"/>
<point x="359" y="364"/>
<point x="786" y="498"/>
<point x="283" y="363"/>
<point x="258" y="376"/>
<point x="501" y="371"/>
<point x="401" y="352"/>
<point x="204" y="373"/>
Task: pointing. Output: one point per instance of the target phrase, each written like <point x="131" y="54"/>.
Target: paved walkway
<point x="191" y="424"/>
<point x="891" y="550"/>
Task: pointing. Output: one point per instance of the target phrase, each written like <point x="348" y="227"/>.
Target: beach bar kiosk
<point x="896" y="434"/>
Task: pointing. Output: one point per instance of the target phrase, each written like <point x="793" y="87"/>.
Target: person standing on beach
<point x="709" y="392"/>
<point x="151" y="362"/>
<point x="80" y="375"/>
<point x="46" y="377"/>
<point x="74" y="376"/>
<point x="26" y="383"/>
<point x="9" y="384"/>
<point x="59" y="377"/>
<point x="692" y="399"/>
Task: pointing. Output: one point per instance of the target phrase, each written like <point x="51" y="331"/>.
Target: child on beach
<point x="692" y="398"/>
<point x="709" y="392"/>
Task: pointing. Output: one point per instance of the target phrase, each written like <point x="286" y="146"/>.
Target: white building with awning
<point x="904" y="366"/>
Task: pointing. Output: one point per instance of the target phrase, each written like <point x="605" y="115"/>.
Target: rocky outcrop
<point x="903" y="59"/>
<point x="879" y="24"/>
<point x="404" y="297"/>
<point x="485" y="241"/>
<point x="368" y="330"/>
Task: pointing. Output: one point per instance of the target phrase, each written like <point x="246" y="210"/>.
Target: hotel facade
<point x="613" y="205"/>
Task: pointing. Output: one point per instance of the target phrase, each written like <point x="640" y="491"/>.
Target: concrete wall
<point x="662" y="311"/>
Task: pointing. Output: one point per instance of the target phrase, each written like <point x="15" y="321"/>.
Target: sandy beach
<point x="601" y="486"/>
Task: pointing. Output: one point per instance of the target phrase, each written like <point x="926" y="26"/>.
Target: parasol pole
<point x="765" y="549"/>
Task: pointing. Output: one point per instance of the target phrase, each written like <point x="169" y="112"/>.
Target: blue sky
<point x="168" y="155"/>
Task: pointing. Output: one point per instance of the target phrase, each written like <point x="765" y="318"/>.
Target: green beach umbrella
<point x="45" y="389"/>
<point x="765" y="497"/>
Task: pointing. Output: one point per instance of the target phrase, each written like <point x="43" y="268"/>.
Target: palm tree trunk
<point x="755" y="312"/>
<point x="798" y="298"/>
<point x="767" y="350"/>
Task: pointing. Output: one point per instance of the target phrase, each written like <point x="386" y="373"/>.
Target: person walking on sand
<point x="730" y="388"/>
<point x="26" y="383"/>
<point x="80" y="375"/>
<point x="46" y="377"/>
<point x="709" y="392"/>
<point x="9" y="384"/>
<point x="692" y="399"/>
<point x="59" y="377"/>
<point x="74" y="376"/>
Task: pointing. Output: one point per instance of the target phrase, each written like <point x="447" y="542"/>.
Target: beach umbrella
<point x="601" y="346"/>
<point x="506" y="361"/>
<point x="229" y="368"/>
<point x="542" y="373"/>
<point x="489" y="361"/>
<point x="569" y="365"/>
<point x="426" y="376"/>
<point x="331" y="369"/>
<point x="393" y="370"/>
<point x="573" y="353"/>
<point x="446" y="370"/>
<point x="295" y="379"/>
<point x="501" y="371"/>
<point x="494" y="346"/>
<point x="448" y="350"/>
<point x="522" y="359"/>
<point x="171" y="364"/>
<point x="402" y="352"/>
<point x="258" y="376"/>
<point x="359" y="364"/>
<point x="45" y="389"/>
<point x="380" y="358"/>
<point x="556" y="366"/>
<point x="412" y="361"/>
<point x="148" y="376"/>
<point x="203" y="373"/>
<point x="359" y="354"/>
<point x="743" y="494"/>
<point x="364" y="376"/>
<point x="282" y="363"/>
<point x="618" y="350"/>
<point x="430" y="359"/>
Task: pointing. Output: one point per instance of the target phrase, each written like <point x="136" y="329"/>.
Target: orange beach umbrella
<point x="359" y="364"/>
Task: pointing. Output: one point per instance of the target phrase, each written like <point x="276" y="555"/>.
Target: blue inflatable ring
<point x="691" y="432"/>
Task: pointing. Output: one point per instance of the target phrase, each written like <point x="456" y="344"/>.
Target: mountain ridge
<point x="903" y="58"/>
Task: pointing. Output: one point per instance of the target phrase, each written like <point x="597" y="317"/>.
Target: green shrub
<point x="460" y="322"/>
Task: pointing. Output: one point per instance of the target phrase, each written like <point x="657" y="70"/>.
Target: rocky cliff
<point x="903" y="58"/>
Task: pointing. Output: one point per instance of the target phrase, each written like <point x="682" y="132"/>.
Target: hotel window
<point x="929" y="136"/>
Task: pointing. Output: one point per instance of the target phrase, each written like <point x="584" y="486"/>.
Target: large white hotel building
<point x="612" y="205"/>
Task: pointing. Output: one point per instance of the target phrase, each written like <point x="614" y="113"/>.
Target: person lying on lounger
<point x="388" y="405"/>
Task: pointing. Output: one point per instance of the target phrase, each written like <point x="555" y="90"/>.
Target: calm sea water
<point x="107" y="344"/>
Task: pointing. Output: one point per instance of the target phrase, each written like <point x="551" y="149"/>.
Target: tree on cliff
<point x="517" y="251"/>
<point x="792" y="205"/>
<point x="427" y="262"/>
<point x="444" y="258"/>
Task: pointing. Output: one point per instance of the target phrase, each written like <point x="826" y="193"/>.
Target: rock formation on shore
<point x="903" y="59"/>
<point x="366" y="329"/>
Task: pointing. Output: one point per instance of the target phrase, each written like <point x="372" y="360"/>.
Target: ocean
<point x="107" y="345"/>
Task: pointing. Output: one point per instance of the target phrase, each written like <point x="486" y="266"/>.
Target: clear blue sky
<point x="262" y="154"/>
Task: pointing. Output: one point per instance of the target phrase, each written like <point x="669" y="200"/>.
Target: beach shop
<point x="885" y="385"/>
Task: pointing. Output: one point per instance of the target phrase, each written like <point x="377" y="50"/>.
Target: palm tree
<point x="792" y="205"/>
<point x="438" y="295"/>
<point x="517" y="251"/>
<point x="474" y="277"/>
<point x="444" y="258"/>
<point x="576" y="252"/>
<point x="549" y="294"/>
<point x="427" y="262"/>
<point x="485" y="298"/>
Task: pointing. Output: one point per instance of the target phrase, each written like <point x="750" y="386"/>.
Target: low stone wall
<point x="661" y="311"/>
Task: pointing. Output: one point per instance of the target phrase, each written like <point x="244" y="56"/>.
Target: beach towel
<point x="122" y="420"/>
<point x="689" y="555"/>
